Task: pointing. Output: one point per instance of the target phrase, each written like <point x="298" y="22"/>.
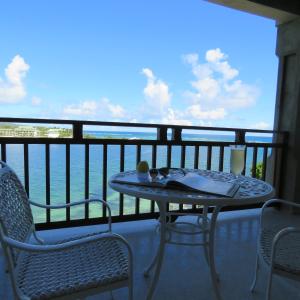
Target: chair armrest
<point x="280" y="234"/>
<point x="284" y="202"/>
<point x="74" y="204"/>
<point x="274" y="201"/>
<point x="64" y="246"/>
<point x="69" y="204"/>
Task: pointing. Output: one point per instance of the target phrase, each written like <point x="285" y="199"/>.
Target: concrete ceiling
<point x="281" y="11"/>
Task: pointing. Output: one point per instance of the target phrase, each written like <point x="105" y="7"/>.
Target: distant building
<point x="26" y="131"/>
<point x="53" y="133"/>
<point x="21" y="131"/>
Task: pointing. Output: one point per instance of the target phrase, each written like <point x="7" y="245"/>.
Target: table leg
<point x="204" y="226"/>
<point x="213" y="273"/>
<point x="152" y="264"/>
<point x="159" y="256"/>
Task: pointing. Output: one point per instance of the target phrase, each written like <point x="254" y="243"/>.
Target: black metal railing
<point x="196" y="152"/>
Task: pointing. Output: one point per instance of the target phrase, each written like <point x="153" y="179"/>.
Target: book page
<point x="135" y="180"/>
<point x="206" y="185"/>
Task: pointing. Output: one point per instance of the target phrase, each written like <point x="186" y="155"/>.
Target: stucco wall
<point x="287" y="112"/>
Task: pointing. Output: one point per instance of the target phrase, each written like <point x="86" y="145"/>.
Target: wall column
<point x="287" y="109"/>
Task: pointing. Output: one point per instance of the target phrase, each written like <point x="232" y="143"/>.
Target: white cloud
<point x="12" y="89"/>
<point x="148" y="73"/>
<point x="115" y="110"/>
<point x="239" y="95"/>
<point x="191" y="58"/>
<point x="36" y="100"/>
<point x="214" y="55"/>
<point x="261" y="125"/>
<point x="157" y="95"/>
<point x="158" y="106"/>
<point x="207" y="87"/>
<point x="175" y="118"/>
<point x="218" y="63"/>
<point x="86" y="108"/>
<point x="196" y="112"/>
<point x="217" y="90"/>
<point x="102" y="109"/>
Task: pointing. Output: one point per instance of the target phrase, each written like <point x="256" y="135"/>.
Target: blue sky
<point x="181" y="62"/>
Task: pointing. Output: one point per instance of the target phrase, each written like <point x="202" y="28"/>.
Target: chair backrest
<point x="16" y="219"/>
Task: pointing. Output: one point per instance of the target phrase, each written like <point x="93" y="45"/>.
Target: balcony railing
<point x="78" y="165"/>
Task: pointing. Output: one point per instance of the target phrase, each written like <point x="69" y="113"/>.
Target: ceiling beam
<point x="290" y="6"/>
<point x="281" y="11"/>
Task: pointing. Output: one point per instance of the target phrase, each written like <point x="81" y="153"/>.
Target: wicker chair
<point x="68" y="269"/>
<point x="278" y="243"/>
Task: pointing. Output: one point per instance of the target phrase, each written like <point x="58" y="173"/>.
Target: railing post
<point x="162" y="134"/>
<point x="240" y="137"/>
<point x="3" y="152"/>
<point x="276" y="161"/>
<point x="176" y="134"/>
<point x="77" y="132"/>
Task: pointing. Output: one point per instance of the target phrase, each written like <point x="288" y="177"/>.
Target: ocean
<point x="37" y="182"/>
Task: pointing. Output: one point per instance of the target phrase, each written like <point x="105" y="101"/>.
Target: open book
<point x="190" y="181"/>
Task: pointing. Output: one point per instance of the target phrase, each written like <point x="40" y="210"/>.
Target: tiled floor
<point x="184" y="272"/>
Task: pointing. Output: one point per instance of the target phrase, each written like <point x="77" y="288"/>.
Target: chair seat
<point x="287" y="256"/>
<point x="53" y="274"/>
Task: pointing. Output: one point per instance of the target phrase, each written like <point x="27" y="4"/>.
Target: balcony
<point x="78" y="164"/>
<point x="61" y="169"/>
<point x="185" y="274"/>
<point x="60" y="161"/>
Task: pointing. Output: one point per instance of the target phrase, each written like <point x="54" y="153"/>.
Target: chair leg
<point x="130" y="292"/>
<point x="205" y="248"/>
<point x="268" y="295"/>
<point x="111" y="295"/>
<point x="204" y="226"/>
<point x="150" y="267"/>
<point x="255" y="275"/>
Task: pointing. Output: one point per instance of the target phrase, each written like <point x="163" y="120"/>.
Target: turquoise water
<point x="37" y="185"/>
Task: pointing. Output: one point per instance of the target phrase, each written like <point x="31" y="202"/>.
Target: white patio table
<point x="251" y="191"/>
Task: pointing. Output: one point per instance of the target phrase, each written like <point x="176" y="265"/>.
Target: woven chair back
<point x="15" y="213"/>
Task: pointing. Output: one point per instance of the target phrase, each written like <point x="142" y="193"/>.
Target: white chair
<point x="68" y="269"/>
<point x="278" y="243"/>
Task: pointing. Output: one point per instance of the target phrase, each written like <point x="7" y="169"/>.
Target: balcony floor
<point x="184" y="273"/>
